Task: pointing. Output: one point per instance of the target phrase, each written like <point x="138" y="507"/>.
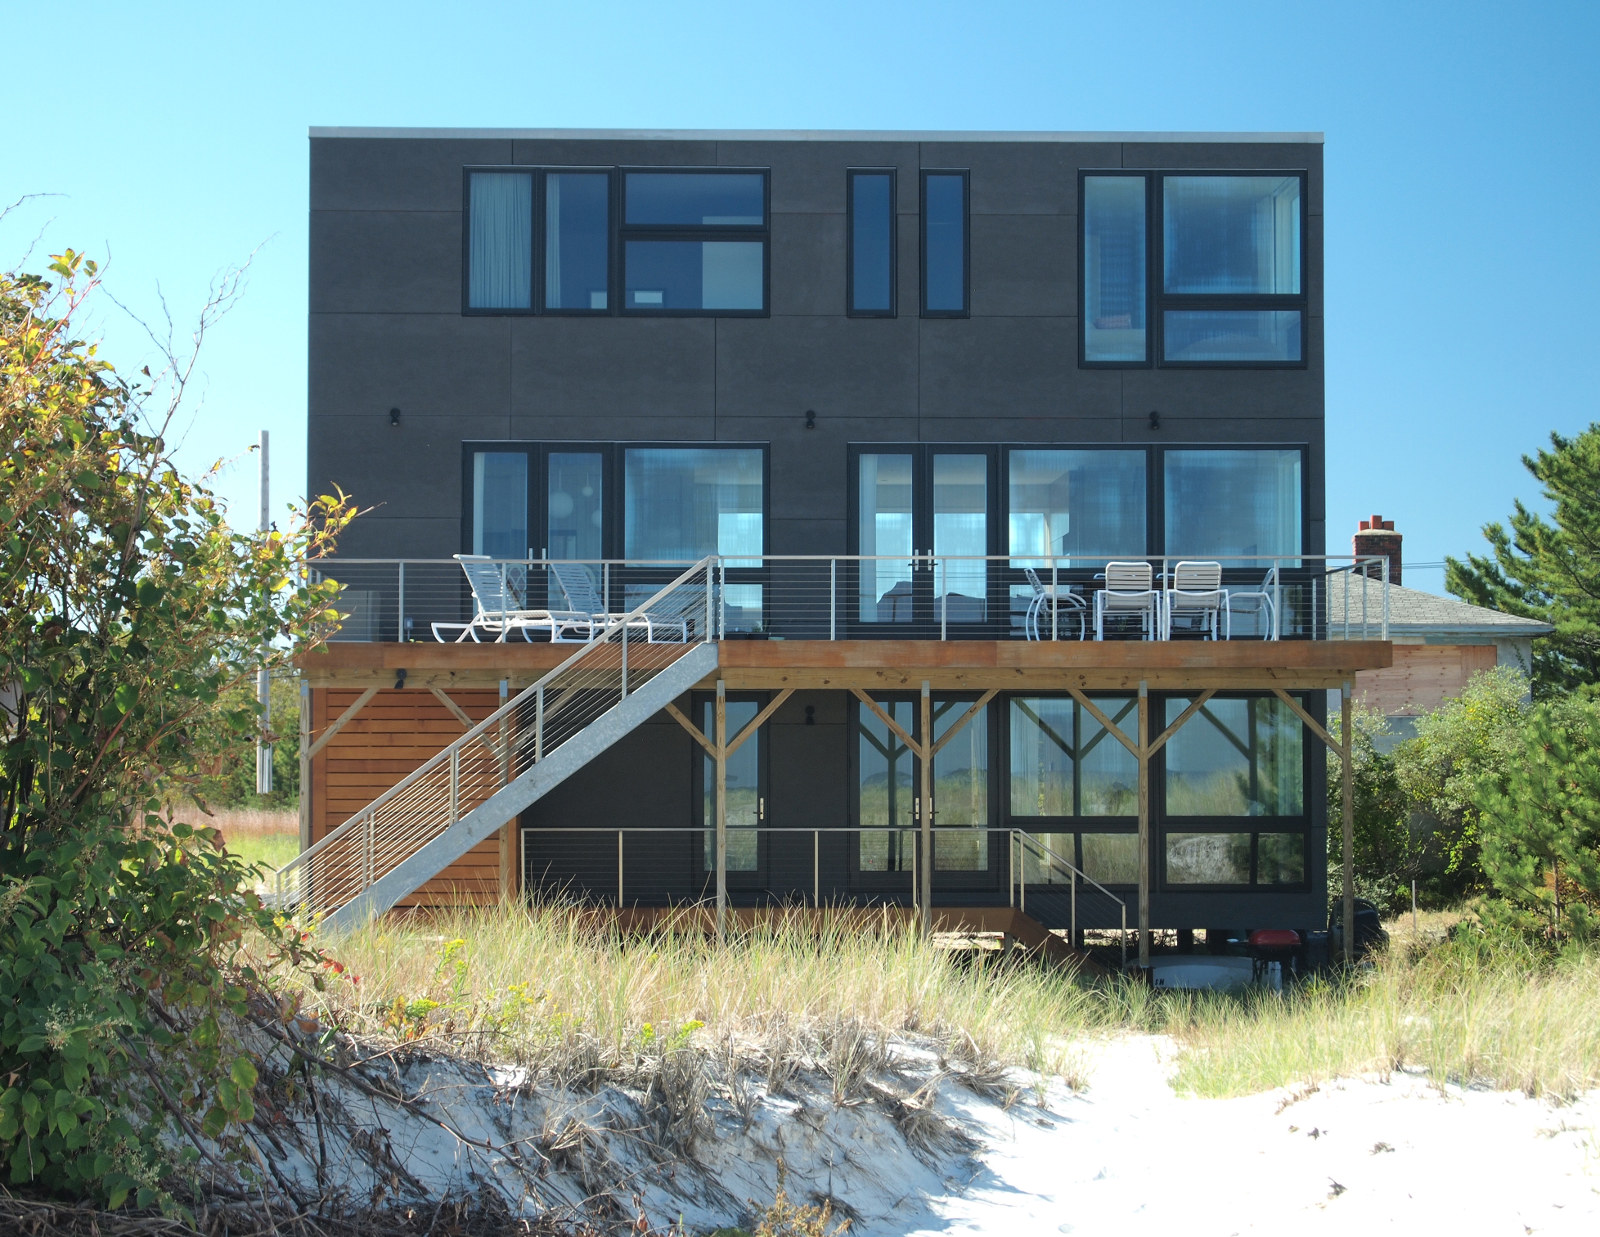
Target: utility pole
<point x="263" y="676"/>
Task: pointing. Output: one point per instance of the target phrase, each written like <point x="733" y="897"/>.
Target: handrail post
<point x="1073" y="922"/>
<point x="605" y="583"/>
<point x="455" y="784"/>
<point x="538" y="725"/>
<point x="1055" y="600"/>
<point x="944" y="597"/>
<point x="400" y="603"/>
<point x="1011" y="868"/>
<point x="1124" y="936"/>
<point x="368" y="836"/>
<point x="624" y="659"/>
<point x="710" y="629"/>
<point x="833" y="598"/>
<point x="722" y="596"/>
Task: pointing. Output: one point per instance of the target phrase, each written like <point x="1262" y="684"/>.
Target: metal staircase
<point x="1051" y="892"/>
<point x="481" y="782"/>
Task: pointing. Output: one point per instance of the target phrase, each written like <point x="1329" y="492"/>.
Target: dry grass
<point x="555" y="991"/>
<point x="1508" y="1019"/>
<point x="266" y="837"/>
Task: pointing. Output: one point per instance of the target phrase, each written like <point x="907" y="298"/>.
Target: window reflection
<point x="1114" y="268"/>
<point x="1080" y="507"/>
<point x="743" y="789"/>
<point x="1235" y="758"/>
<point x="683" y="503"/>
<point x="1233" y="503"/>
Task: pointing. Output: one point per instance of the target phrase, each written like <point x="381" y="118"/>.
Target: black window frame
<point x="1163" y="823"/>
<point x="613" y="465"/>
<point x="850" y="176"/>
<point x="1158" y="301"/>
<point x="966" y="242"/>
<point x="537" y="306"/>
<point x="623" y="232"/>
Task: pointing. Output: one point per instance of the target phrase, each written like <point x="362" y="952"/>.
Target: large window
<point x="870" y="243"/>
<point x="683" y="503"/>
<point x="694" y="242"/>
<point x="1228" y="283"/>
<point x="1236" y="758"/>
<point x="1079" y="508"/>
<point x="1226" y="503"/>
<point x="541" y="240"/>
<point x="944" y="244"/>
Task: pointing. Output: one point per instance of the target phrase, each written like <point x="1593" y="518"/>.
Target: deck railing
<point x="604" y="865"/>
<point x="937" y="597"/>
<point x="524" y="730"/>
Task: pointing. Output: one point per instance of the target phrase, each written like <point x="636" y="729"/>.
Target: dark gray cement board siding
<point x="386" y="332"/>
<point x="386" y="329"/>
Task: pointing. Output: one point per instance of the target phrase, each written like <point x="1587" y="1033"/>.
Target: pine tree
<point x="1548" y="570"/>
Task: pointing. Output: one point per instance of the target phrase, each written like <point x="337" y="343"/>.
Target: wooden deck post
<point x="1144" y="826"/>
<point x="925" y="893"/>
<point x="722" y="812"/>
<point x="305" y="763"/>
<point x="1346" y="794"/>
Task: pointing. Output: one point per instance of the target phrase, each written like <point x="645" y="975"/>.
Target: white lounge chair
<point x="498" y="609"/>
<point x="1260" y="602"/>
<point x="1056" y="597"/>
<point x="667" y="625"/>
<point x="1195" y="596"/>
<point x="1129" y="590"/>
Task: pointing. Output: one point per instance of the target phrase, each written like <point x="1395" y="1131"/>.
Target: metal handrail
<point x="1016" y="837"/>
<point x="413" y="784"/>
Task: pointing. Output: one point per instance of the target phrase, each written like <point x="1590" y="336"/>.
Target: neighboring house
<point x="1439" y="642"/>
<point x="876" y="377"/>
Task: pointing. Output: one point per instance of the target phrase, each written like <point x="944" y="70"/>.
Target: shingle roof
<point x="1411" y="611"/>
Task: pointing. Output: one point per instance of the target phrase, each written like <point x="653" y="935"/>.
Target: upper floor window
<point x="1228" y="284"/>
<point x="543" y="240"/>
<point x="944" y="244"/>
<point x="694" y="242"/>
<point x="870" y="243"/>
<point x="500" y="241"/>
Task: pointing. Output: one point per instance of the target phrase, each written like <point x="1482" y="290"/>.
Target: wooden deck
<point x="895" y="665"/>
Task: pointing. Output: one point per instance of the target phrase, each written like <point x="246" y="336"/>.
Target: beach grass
<point x="556" y="990"/>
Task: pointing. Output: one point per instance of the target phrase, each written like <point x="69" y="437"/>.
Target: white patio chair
<point x="1260" y="602"/>
<point x="1129" y="590"/>
<point x="578" y="587"/>
<point x="1056" y="597"/>
<point x="497" y="608"/>
<point x="1195" y="593"/>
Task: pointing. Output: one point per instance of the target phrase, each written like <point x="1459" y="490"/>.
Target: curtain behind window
<point x="500" y="242"/>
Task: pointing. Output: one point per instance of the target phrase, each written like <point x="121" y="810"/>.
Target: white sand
<point x="1127" y="1156"/>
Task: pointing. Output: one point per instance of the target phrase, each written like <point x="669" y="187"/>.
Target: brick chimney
<point x="1375" y="537"/>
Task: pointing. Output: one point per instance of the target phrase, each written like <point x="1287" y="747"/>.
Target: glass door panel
<point x="500" y="512"/>
<point x="887" y="790"/>
<point x="886" y="526"/>
<point x="746" y="805"/>
<point x="960" y="500"/>
<point x="961" y="789"/>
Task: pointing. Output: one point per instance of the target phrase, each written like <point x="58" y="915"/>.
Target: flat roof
<point x="813" y="135"/>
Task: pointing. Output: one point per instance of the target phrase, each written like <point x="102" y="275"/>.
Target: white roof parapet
<point x="814" y="135"/>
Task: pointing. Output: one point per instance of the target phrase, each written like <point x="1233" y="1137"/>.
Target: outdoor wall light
<point x="394" y="417"/>
<point x="811" y="715"/>
<point x="1155" y="420"/>
<point x="811" y="419"/>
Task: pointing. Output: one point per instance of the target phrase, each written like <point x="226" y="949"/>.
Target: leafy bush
<point x="129" y="615"/>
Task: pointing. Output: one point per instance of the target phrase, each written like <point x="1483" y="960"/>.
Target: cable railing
<point x="628" y="866"/>
<point x="922" y="597"/>
<point x="626" y="651"/>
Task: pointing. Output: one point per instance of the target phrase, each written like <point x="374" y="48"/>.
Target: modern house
<point x="847" y="432"/>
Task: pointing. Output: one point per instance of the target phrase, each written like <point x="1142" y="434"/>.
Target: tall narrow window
<point x="744" y="802"/>
<point x="500" y="241"/>
<point x="577" y="241"/>
<point x="944" y="244"/>
<point x="870" y="244"/>
<point x="1114" y="269"/>
<point x="500" y="503"/>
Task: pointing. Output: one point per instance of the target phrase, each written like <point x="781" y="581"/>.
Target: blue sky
<point x="1462" y="160"/>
